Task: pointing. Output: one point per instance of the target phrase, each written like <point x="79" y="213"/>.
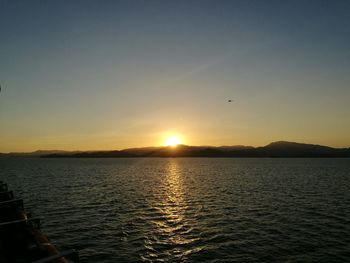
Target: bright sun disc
<point x="172" y="141"/>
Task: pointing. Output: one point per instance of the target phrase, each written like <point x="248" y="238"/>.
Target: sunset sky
<point x="94" y="75"/>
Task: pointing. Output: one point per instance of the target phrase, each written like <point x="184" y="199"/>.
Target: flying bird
<point x="229" y="101"/>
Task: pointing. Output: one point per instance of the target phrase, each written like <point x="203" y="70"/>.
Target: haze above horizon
<point x="93" y="75"/>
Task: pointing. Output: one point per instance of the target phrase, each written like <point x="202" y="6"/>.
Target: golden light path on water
<point x="173" y="229"/>
<point x="173" y="203"/>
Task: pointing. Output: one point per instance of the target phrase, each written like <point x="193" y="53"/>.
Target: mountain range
<point x="274" y="149"/>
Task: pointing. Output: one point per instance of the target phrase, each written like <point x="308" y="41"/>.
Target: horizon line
<point x="140" y="147"/>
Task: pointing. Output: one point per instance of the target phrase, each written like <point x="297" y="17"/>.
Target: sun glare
<point x="172" y="141"/>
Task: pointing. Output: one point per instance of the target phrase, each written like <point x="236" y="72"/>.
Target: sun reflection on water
<point x="173" y="204"/>
<point x="172" y="229"/>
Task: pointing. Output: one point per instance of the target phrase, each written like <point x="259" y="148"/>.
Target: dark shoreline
<point x="279" y="149"/>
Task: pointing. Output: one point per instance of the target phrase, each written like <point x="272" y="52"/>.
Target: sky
<point x="89" y="75"/>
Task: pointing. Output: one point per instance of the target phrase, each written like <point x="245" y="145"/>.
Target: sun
<point x="172" y="141"/>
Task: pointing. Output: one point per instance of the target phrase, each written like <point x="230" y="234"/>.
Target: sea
<point x="189" y="209"/>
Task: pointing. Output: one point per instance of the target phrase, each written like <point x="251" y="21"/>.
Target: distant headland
<point x="280" y="149"/>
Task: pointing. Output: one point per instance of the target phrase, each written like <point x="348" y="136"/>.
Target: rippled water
<point x="190" y="210"/>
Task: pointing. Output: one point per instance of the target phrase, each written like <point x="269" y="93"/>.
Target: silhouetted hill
<point x="275" y="149"/>
<point x="37" y="153"/>
<point x="294" y="146"/>
<point x="293" y="149"/>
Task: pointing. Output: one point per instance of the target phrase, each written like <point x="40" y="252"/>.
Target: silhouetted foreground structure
<point x="20" y="237"/>
<point x="275" y="149"/>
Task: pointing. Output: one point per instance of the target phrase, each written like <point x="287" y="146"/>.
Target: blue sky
<point x="116" y="74"/>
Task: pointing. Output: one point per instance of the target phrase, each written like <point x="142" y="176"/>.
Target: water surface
<point x="190" y="210"/>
